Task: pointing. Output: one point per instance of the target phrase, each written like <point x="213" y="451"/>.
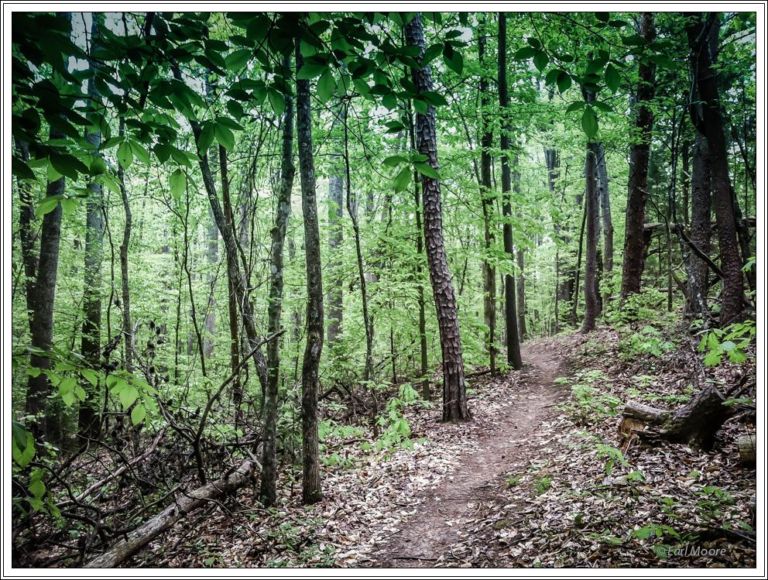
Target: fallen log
<point x="695" y="423"/>
<point x="187" y="503"/>
<point x="747" y="449"/>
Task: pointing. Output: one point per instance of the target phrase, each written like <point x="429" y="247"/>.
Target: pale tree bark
<point x="311" y="490"/>
<point x="335" y="235"/>
<point x="454" y="387"/>
<point x="591" y="295"/>
<point x="605" y="208"/>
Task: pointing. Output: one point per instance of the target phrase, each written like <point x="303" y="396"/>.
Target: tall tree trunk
<point x="512" y="335"/>
<point x="701" y="230"/>
<point x="702" y="38"/>
<point x="125" y="292"/>
<point x="335" y="235"/>
<point x="26" y="234"/>
<point x="352" y="210"/>
<point x="685" y="181"/>
<point x="591" y="293"/>
<point x="234" y="331"/>
<point x="423" y="353"/>
<point x="268" y="491"/>
<point x="88" y="420"/>
<point x="634" y="245"/>
<point x="605" y="208"/>
<point x="520" y="258"/>
<point x="489" y="234"/>
<point x="454" y="387"/>
<point x="41" y="324"/>
<point x="311" y="491"/>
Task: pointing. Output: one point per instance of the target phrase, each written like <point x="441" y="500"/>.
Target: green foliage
<point x="543" y="484"/>
<point x="649" y="340"/>
<point x="732" y="342"/>
<point x="612" y="455"/>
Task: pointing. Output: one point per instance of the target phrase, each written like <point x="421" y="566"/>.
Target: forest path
<point x="445" y="513"/>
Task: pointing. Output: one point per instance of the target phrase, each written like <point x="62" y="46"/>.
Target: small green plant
<point x="713" y="501"/>
<point x="543" y="484"/>
<point x="513" y="480"/>
<point x="612" y="455"/>
<point x="731" y="342"/>
<point x="635" y="476"/>
<point x="649" y="340"/>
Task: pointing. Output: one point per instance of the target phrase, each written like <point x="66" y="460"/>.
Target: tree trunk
<point x="520" y="258"/>
<point x="605" y="209"/>
<point x="335" y="236"/>
<point x="88" y="420"/>
<point x="234" y="331"/>
<point x="634" y="246"/>
<point x="423" y="353"/>
<point x="311" y="491"/>
<point x="489" y="235"/>
<point x="702" y="39"/>
<point x="591" y="291"/>
<point x="510" y="308"/>
<point x="695" y="423"/>
<point x="268" y="491"/>
<point x="454" y="387"/>
<point x="41" y="324"/>
<point x="352" y="210"/>
<point x="125" y="292"/>
<point x="185" y="504"/>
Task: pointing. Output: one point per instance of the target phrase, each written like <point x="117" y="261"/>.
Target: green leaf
<point x="540" y="60"/>
<point x="612" y="77"/>
<point x="420" y="106"/>
<point x="47" y="205"/>
<point x="206" y="137"/>
<point x="22" y="445"/>
<point x="139" y="151"/>
<point x="310" y="70"/>
<point x="67" y="165"/>
<point x="394" y="160"/>
<point x="98" y="166"/>
<point x="37" y="488"/>
<point x="237" y="59"/>
<point x="177" y="183"/>
<point x="525" y="53"/>
<point x="426" y="170"/>
<point x="326" y="86"/>
<point x="277" y="101"/>
<point x="563" y="81"/>
<point x="90" y="375"/>
<point x="434" y="98"/>
<point x="402" y="179"/>
<point x="453" y="60"/>
<point x="575" y="106"/>
<point x="128" y="396"/>
<point x="225" y="137"/>
<point x="125" y="155"/>
<point x="589" y="122"/>
<point x="138" y="414"/>
<point x="20" y="169"/>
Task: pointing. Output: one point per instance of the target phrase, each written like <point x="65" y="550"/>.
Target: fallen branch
<point x="141" y="536"/>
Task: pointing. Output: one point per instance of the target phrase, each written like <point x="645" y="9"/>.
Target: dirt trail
<point x="463" y="497"/>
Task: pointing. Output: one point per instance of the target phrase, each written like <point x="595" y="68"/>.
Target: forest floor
<point x="535" y="479"/>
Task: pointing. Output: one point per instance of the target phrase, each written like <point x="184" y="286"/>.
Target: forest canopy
<point x="247" y="245"/>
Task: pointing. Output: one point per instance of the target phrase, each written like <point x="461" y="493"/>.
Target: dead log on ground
<point x="189" y="502"/>
<point x="695" y="423"/>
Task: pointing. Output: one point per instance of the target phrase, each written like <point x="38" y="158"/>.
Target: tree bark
<point x="90" y="346"/>
<point x="268" y="490"/>
<point x="454" y="387"/>
<point x="41" y="324"/>
<point x="510" y="308"/>
<point x="311" y="491"/>
<point x="335" y="235"/>
<point x="125" y="292"/>
<point x="605" y="208"/>
<point x="701" y="230"/>
<point x="489" y="235"/>
<point x="634" y="245"/>
<point x="520" y="258"/>
<point x="185" y="504"/>
<point x="702" y="39"/>
<point x="591" y="291"/>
